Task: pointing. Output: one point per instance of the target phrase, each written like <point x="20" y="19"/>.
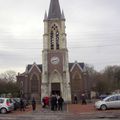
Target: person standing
<point x="53" y="102"/>
<point x="22" y="105"/>
<point x="84" y="99"/>
<point x="60" y="103"/>
<point x="43" y="102"/>
<point x="33" y="104"/>
<point x="75" y="99"/>
<point x="47" y="101"/>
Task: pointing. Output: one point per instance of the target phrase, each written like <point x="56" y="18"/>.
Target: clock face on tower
<point x="55" y="60"/>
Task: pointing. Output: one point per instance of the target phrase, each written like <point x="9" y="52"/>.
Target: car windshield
<point x="111" y="98"/>
<point x="106" y="98"/>
<point x="9" y="100"/>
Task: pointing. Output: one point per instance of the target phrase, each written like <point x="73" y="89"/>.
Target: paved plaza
<point x="70" y="112"/>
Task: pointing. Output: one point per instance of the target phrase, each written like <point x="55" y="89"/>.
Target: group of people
<point x="23" y="104"/>
<point x="83" y="99"/>
<point x="55" y="102"/>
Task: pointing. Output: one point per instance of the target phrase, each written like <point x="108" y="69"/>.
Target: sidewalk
<point x="78" y="108"/>
<point x="88" y="109"/>
<point x="73" y="112"/>
<point x="70" y="108"/>
<point x="28" y="109"/>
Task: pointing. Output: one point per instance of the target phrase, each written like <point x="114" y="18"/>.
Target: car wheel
<point x="103" y="107"/>
<point x="3" y="110"/>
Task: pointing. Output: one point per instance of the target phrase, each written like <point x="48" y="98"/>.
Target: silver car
<point x="6" y="105"/>
<point x="112" y="101"/>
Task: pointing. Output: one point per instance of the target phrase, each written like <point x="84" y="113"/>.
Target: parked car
<point x="112" y="101"/>
<point x="6" y="105"/>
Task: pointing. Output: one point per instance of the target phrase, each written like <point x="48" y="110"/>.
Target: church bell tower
<point x="55" y="64"/>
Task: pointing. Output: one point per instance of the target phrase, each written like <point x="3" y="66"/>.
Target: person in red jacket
<point x="45" y="101"/>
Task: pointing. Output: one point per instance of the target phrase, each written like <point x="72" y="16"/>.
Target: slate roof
<point x="30" y="65"/>
<point x="70" y="66"/>
<point x="40" y="67"/>
<point x="54" y="10"/>
<point x="81" y="65"/>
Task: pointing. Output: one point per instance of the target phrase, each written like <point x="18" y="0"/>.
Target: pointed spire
<point x="54" y="10"/>
<point x="63" y="16"/>
<point x="45" y="17"/>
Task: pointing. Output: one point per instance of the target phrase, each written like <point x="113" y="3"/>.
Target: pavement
<point x="78" y="108"/>
<point x="69" y="108"/>
<point x="70" y="112"/>
<point x="72" y="108"/>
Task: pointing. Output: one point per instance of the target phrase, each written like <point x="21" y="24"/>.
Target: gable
<point x="76" y="66"/>
<point x="32" y="67"/>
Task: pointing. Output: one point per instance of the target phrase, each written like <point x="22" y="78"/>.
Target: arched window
<point x="76" y="81"/>
<point x="52" y="40"/>
<point x="34" y="84"/>
<point x="54" y="37"/>
<point x="57" y="40"/>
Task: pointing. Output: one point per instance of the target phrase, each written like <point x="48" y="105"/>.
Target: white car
<point x="6" y="105"/>
<point x="112" y="101"/>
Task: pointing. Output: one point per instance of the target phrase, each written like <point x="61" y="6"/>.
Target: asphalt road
<point x="57" y="115"/>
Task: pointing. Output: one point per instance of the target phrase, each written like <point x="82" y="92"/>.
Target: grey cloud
<point x="88" y="23"/>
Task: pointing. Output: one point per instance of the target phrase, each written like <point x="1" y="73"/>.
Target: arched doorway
<point x="55" y="88"/>
<point x="55" y="83"/>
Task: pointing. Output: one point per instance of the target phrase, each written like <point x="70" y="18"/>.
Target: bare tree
<point x="8" y="83"/>
<point x="8" y="76"/>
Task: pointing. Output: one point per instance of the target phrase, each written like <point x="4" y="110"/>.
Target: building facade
<point x="56" y="75"/>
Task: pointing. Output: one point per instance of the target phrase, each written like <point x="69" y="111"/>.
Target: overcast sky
<point x="92" y="27"/>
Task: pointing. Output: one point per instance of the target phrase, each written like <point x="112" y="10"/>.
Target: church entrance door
<point x="55" y="88"/>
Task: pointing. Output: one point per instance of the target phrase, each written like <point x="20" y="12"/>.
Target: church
<point x="55" y="75"/>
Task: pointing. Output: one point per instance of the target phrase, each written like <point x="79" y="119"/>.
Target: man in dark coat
<point x="53" y="102"/>
<point x="60" y="103"/>
<point x="75" y="99"/>
<point x="22" y="105"/>
<point x="33" y="104"/>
